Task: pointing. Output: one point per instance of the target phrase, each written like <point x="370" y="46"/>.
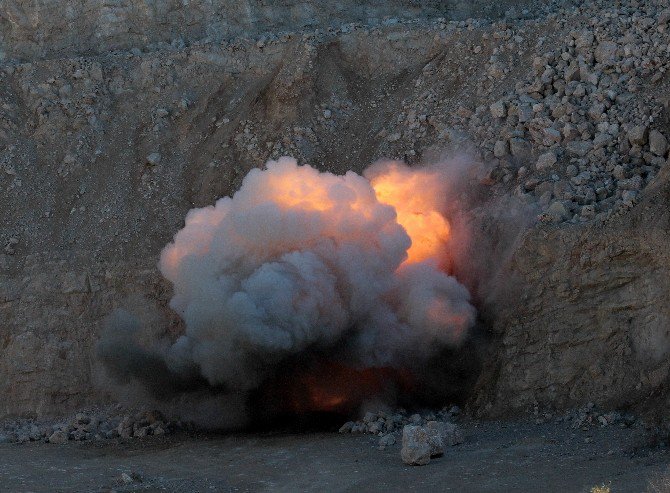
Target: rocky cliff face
<point x="590" y="318"/>
<point x="49" y="28"/>
<point x="115" y="120"/>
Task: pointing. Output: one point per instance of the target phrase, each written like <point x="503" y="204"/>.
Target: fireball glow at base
<point x="299" y="260"/>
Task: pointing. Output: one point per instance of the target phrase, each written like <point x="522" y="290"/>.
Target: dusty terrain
<point x="496" y="457"/>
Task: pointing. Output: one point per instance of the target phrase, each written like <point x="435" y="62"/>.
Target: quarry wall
<point x="117" y="118"/>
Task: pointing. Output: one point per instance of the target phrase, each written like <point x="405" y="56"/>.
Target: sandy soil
<point x="497" y="457"/>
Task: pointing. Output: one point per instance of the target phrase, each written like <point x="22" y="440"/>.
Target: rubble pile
<point x="580" y="131"/>
<point x="90" y="426"/>
<point x="423" y="435"/>
<point x="589" y="416"/>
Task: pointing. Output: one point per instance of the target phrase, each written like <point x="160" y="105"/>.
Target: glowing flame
<point x="334" y="387"/>
<point x="416" y="196"/>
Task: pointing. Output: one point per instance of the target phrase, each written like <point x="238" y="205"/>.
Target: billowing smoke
<point x="298" y="259"/>
<point x="301" y="262"/>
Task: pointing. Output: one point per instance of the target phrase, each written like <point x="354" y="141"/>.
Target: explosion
<point x="301" y="265"/>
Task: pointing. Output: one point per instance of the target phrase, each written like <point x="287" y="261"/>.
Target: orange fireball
<point x="416" y="196"/>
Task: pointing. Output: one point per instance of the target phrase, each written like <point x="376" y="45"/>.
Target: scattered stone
<point x="500" y="149"/>
<point x="89" y="426"/>
<point x="658" y="144"/>
<point x="449" y="433"/>
<point x="638" y="135"/>
<point x="558" y="212"/>
<point x="58" y="437"/>
<point x="578" y="148"/>
<point x="387" y="440"/>
<point x="498" y="110"/>
<point x="154" y="159"/>
<point x="546" y="161"/>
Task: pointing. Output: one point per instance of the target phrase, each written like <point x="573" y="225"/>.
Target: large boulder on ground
<point x="416" y="448"/>
<point x="448" y="433"/>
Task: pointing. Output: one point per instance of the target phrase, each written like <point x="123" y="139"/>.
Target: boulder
<point x="449" y="433"/>
<point x="416" y="448"/>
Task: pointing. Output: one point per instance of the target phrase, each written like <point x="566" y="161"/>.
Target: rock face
<point x="116" y="118"/>
<point x="591" y="316"/>
<point x="54" y="313"/>
<point x="92" y="26"/>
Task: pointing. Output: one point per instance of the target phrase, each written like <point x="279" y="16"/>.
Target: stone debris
<point x="589" y="416"/>
<point x="449" y="433"/>
<point x="416" y="446"/>
<point x="387" y="441"/>
<point x="154" y="159"/>
<point x="421" y="443"/>
<point x="381" y="423"/>
<point x="94" y="425"/>
<point x="424" y="435"/>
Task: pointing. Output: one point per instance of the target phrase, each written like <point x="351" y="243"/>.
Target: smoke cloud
<point x="305" y="262"/>
<point x="300" y="259"/>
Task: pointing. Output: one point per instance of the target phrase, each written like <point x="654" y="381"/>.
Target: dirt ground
<point x="496" y="457"/>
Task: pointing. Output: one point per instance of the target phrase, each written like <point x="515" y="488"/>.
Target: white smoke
<point x="298" y="260"/>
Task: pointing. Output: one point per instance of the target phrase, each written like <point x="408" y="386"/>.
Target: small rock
<point x="629" y="197"/>
<point x="579" y="148"/>
<point x="638" y="135"/>
<point x="546" y="161"/>
<point x="375" y="428"/>
<point x="58" y="437"/>
<point x="346" y="427"/>
<point x="81" y="419"/>
<point x="519" y="147"/>
<point x="558" y="212"/>
<point x="588" y="211"/>
<point x="387" y="440"/>
<point x="500" y="149"/>
<point x="658" y="144"/>
<point x="551" y="136"/>
<point x="449" y="433"/>
<point x="130" y="478"/>
<point x="606" y="52"/>
<point x="141" y="432"/>
<point x="154" y="159"/>
<point x="571" y="170"/>
<point x="525" y="113"/>
<point x="498" y="109"/>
